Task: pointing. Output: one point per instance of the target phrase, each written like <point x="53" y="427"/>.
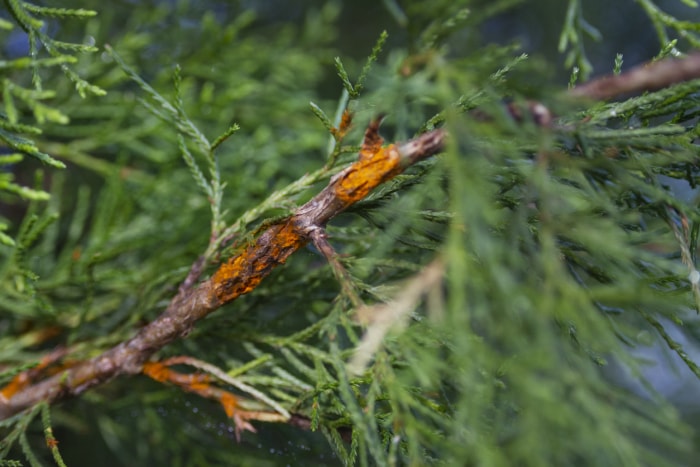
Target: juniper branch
<point x="240" y="275"/>
<point x="645" y="77"/>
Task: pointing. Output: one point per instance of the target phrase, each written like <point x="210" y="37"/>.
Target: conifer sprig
<point x="26" y="15"/>
<point x="18" y="99"/>
<point x="351" y="92"/>
<point x="174" y="113"/>
<point x="576" y="28"/>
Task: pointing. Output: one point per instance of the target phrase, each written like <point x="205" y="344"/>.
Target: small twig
<point x="201" y="384"/>
<point x="645" y="77"/>
<point x="672" y="344"/>
<point x="193" y="275"/>
<point x="222" y="376"/>
<point x="320" y="241"/>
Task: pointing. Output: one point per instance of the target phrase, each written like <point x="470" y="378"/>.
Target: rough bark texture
<point x="239" y="275"/>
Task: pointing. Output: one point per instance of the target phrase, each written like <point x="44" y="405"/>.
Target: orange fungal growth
<point x="156" y="371"/>
<point x="375" y="165"/>
<point x="345" y="124"/>
<point x="198" y="383"/>
<point x="367" y="173"/>
<point x="242" y="273"/>
<point x="51" y="443"/>
<point x="201" y="384"/>
<point x="25" y="378"/>
<point x="229" y="403"/>
<point x="193" y="382"/>
<point x="372" y="142"/>
<point x="14" y="386"/>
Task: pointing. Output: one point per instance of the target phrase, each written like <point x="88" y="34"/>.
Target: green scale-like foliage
<point x="560" y="248"/>
<point x="23" y="92"/>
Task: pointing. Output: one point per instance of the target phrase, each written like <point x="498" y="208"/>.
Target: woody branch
<point x="240" y="275"/>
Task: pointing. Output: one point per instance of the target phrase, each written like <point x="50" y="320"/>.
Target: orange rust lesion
<point x="17" y="383"/>
<point x="368" y="173"/>
<point x="344" y="126"/>
<point x="194" y="382"/>
<point x="242" y="273"/>
<point x="51" y="442"/>
<point x="156" y="371"/>
<point x="24" y="379"/>
<point x="202" y="385"/>
<point x="375" y="166"/>
<point x="372" y="142"/>
<point x="229" y="402"/>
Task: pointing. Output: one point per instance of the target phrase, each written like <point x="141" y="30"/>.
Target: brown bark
<point x="646" y="77"/>
<point x="238" y="276"/>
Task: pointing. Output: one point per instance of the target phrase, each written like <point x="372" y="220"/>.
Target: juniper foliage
<point x="560" y="252"/>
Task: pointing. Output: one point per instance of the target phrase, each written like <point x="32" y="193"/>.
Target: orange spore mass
<point x="345" y="124"/>
<point x="156" y="371"/>
<point x="229" y="402"/>
<point x="242" y="273"/>
<point x="371" y="170"/>
<point x="14" y="386"/>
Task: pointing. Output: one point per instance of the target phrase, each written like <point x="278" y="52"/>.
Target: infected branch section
<point x="376" y="164"/>
<point x="242" y="273"/>
<point x="239" y="275"/>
